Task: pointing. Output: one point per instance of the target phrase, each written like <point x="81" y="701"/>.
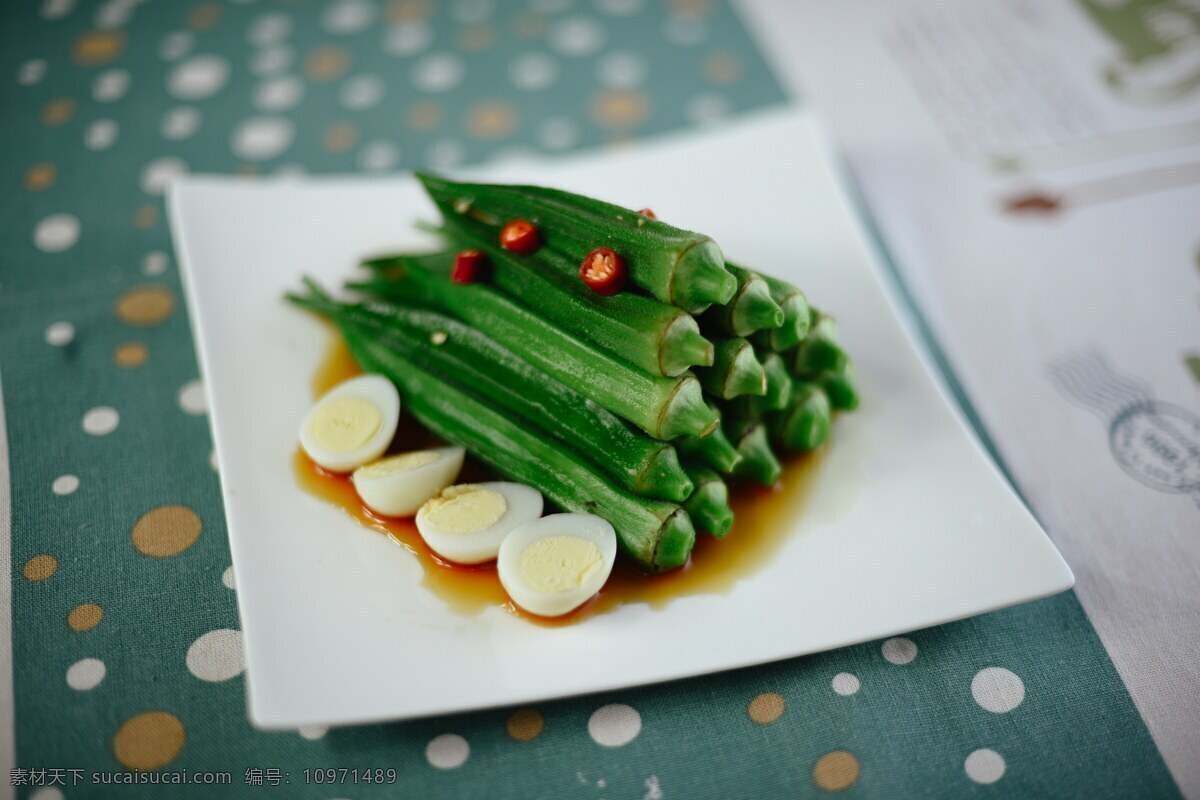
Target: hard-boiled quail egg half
<point x="352" y="423"/>
<point x="466" y="523"/>
<point x="555" y="564"/>
<point x="398" y="485"/>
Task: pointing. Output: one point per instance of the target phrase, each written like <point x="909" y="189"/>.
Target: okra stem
<point x="779" y="383"/>
<point x="841" y="387"/>
<point x="735" y="371"/>
<point x="820" y="351"/>
<point x="676" y="266"/>
<point x="708" y="505"/>
<point x="758" y="459"/>
<point x="797" y="316"/>
<point x="657" y="535"/>
<point x="751" y="309"/>
<point x="805" y="425"/>
<point x="662" y="407"/>
<point x="714" y="451"/>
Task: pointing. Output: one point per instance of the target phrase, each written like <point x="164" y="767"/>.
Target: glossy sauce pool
<point x="763" y="518"/>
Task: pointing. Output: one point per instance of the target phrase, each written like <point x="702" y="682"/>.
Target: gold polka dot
<point x="491" y="120"/>
<point x="130" y="354"/>
<point x="766" y="708"/>
<point x="424" y="116"/>
<point x="409" y="10"/>
<point x="39" y="568"/>
<point x="723" y="68"/>
<point x="166" y="531"/>
<point x="145" y="216"/>
<point x="94" y="48"/>
<point x="475" y="38"/>
<point x="327" y="63"/>
<point x="620" y="109"/>
<point x="529" y="24"/>
<point x="204" y="16"/>
<point x="144" y="306"/>
<point x="85" y="617"/>
<point x="525" y="725"/>
<point x="149" y="740"/>
<point x="40" y="176"/>
<point x="56" y="112"/>
<point x="836" y="771"/>
<point x="340" y="137"/>
<point x="690" y="8"/>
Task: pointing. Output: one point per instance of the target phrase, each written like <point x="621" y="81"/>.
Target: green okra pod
<point x="675" y="266"/>
<point x="662" y="407"/>
<point x="841" y="387"/>
<point x="797" y="316"/>
<point x="714" y="451"/>
<point x="820" y="350"/>
<point x="751" y="309"/>
<point x="758" y="459"/>
<point x="805" y="425"/>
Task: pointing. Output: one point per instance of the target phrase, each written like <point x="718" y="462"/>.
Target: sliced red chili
<point x="468" y="267"/>
<point x="520" y="236"/>
<point x="648" y="212"/>
<point x="603" y="271"/>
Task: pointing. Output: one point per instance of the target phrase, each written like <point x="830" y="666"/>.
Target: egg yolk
<point x="400" y="463"/>
<point x="466" y="508"/>
<point x="346" y="424"/>
<point x="559" y="563"/>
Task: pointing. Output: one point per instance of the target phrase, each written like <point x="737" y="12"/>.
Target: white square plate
<point x="907" y="525"/>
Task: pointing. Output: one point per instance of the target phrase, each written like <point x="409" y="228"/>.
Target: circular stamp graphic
<point x="1159" y="444"/>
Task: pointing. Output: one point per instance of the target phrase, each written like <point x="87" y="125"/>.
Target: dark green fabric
<point x="910" y="726"/>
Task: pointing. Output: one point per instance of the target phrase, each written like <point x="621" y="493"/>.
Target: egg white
<point x="401" y="493"/>
<point x="523" y="505"/>
<point x="588" y="527"/>
<point x="376" y="390"/>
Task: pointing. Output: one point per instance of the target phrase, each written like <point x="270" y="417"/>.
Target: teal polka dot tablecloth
<point x="127" y="669"/>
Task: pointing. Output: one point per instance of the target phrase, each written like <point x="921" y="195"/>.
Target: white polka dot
<point x="57" y="9"/>
<point x="85" y="674"/>
<point x="348" y="16"/>
<point x="445" y="153"/>
<point x="110" y="85"/>
<point x="198" y="77"/>
<point x="614" y="725"/>
<point x="438" y="72"/>
<point x="705" y="108"/>
<point x="471" y="12"/>
<point x="64" y="485"/>
<point x="56" y="233"/>
<point x="533" y="71"/>
<point x="685" y="31"/>
<point x="899" y="650"/>
<point x="279" y="94"/>
<point x="101" y="134"/>
<point x="268" y="29"/>
<point x="262" y="138"/>
<point x="407" y="39"/>
<point x="447" y="751"/>
<point x="180" y="122"/>
<point x="227" y="578"/>
<point x="997" y="689"/>
<point x="217" y="656"/>
<point x="378" y="156"/>
<point x="47" y="793"/>
<point x="60" y="333"/>
<point x="154" y="262"/>
<point x="113" y="14"/>
<point x="362" y="92"/>
<point x="985" y="766"/>
<point x="576" y="36"/>
<point x="313" y="732"/>
<point x="558" y="133"/>
<point x="101" y="421"/>
<point x="621" y="70"/>
<point x="845" y="683"/>
<point x="158" y="174"/>
<point x="272" y="60"/>
<point x="176" y="45"/>
<point x="31" y="72"/>
<point x="192" y="398"/>
<point x="620" y="7"/>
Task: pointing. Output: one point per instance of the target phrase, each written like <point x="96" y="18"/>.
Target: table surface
<point x="125" y="649"/>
